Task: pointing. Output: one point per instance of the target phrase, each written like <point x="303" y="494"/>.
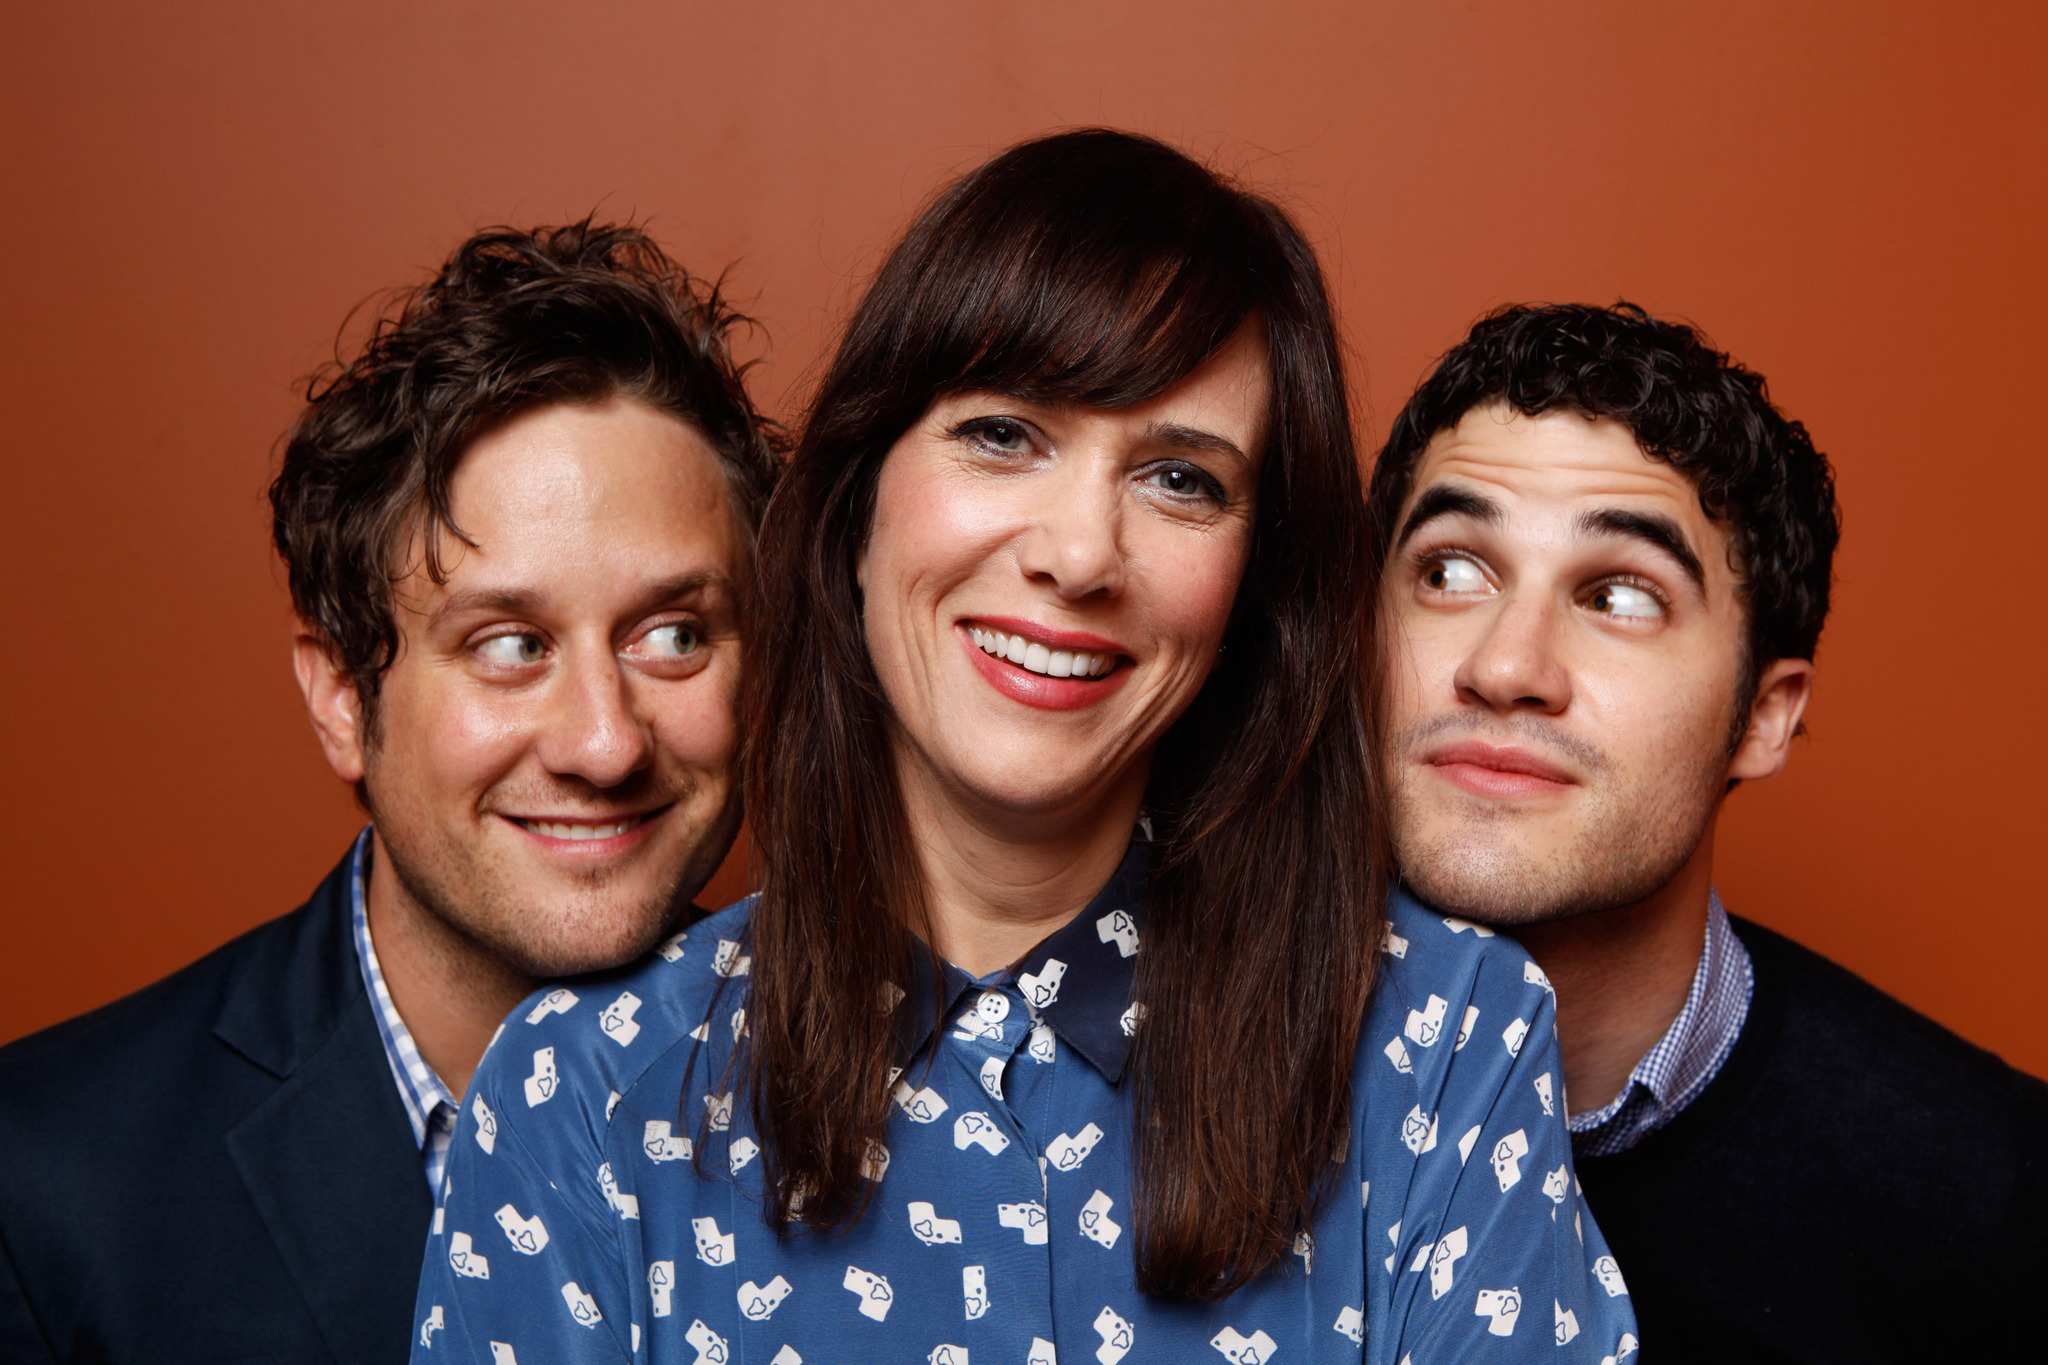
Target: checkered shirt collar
<point x="1689" y="1055"/>
<point x="427" y="1102"/>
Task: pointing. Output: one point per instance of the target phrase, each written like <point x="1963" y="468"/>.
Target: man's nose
<point x="1515" y="663"/>
<point x="594" y="731"/>
<point x="1073" y="540"/>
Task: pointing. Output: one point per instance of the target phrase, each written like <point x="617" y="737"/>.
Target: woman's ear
<point x="332" y="703"/>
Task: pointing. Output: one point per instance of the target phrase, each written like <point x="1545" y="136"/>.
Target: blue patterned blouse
<point x="580" y="1223"/>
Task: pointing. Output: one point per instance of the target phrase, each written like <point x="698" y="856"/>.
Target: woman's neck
<point x="996" y="882"/>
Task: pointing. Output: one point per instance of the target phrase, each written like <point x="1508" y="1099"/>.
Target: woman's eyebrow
<point x="1177" y="437"/>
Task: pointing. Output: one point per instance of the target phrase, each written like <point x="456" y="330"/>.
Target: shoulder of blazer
<point x="273" y="994"/>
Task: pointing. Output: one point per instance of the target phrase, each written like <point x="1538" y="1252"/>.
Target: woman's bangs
<point x="1107" y="337"/>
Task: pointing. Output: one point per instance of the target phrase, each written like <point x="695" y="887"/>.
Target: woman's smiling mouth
<point x="1038" y="658"/>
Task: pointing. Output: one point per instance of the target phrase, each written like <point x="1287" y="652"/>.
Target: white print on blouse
<point x="1028" y="1218"/>
<point x="1609" y="1275"/>
<point x="924" y="1105"/>
<point x="671" y="948"/>
<point x="1116" y="1333"/>
<point x="742" y="1151"/>
<point x="661" y="1283"/>
<point x="974" y="1290"/>
<point x="1513" y="1035"/>
<point x="1459" y="926"/>
<point x="661" y="1144"/>
<point x="525" y="1234"/>
<point x="928" y="1227"/>
<point x="1567" y="1322"/>
<point x="1096" y="1223"/>
<point x="1066" y="1153"/>
<point x="1351" y="1323"/>
<point x="540" y="1086"/>
<point x="581" y="1306"/>
<point x="465" y="1260"/>
<point x="435" y="1323"/>
<point x="759" y="1301"/>
<point x="486" y="1125"/>
<point x="1239" y="1349"/>
<point x="1507" y="1159"/>
<point x="976" y="1129"/>
<point x="710" y="1346"/>
<point x="713" y="1247"/>
<point x="556" y="1001"/>
<point x="1465" y="1029"/>
<point x="727" y="960"/>
<point x="1426" y="1025"/>
<point x="1503" y="1306"/>
<point x="872" y="1290"/>
<point x="1044" y="988"/>
<point x="1543" y="1093"/>
<point x="617" y="1020"/>
<point x="1119" y="928"/>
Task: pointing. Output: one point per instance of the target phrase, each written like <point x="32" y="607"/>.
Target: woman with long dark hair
<point x="1071" y="1019"/>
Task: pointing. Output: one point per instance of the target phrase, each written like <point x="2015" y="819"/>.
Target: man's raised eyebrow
<point x="1447" y="500"/>
<point x="525" y="602"/>
<point x="1174" y="435"/>
<point x="1653" y="528"/>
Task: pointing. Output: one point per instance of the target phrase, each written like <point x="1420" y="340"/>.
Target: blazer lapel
<point x="329" y="1157"/>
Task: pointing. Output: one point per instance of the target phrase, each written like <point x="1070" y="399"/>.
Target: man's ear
<point x="1781" y="698"/>
<point x="331" y="702"/>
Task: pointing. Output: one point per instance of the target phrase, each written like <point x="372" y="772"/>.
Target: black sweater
<point x="1858" y="1184"/>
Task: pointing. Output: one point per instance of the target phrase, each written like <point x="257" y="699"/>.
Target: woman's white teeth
<point x="1053" y="663"/>
<point x="555" y="829"/>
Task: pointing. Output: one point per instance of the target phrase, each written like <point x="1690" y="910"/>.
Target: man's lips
<point x="592" y="835"/>
<point x="1496" y="770"/>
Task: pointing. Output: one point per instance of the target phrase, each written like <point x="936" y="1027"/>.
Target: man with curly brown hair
<point x="1606" y="559"/>
<point x="517" y="527"/>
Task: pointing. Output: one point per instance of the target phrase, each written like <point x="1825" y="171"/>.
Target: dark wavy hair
<point x="512" y="320"/>
<point x="1688" y="405"/>
<point x="1096" y="268"/>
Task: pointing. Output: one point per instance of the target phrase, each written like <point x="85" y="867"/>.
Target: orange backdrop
<point x="1847" y="195"/>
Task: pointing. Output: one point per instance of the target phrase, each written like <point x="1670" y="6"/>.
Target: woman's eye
<point x="677" y="641"/>
<point x="999" y="433"/>
<point x="1625" y="599"/>
<point x="1183" y="482"/>
<point x="513" y="651"/>
<point x="1454" y="573"/>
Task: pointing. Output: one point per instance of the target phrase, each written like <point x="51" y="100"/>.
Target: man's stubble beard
<point x="476" y="900"/>
<point x="1633" y="836"/>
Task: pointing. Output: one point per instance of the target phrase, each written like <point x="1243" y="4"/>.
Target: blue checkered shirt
<point x="427" y="1102"/>
<point x="1673" y="1073"/>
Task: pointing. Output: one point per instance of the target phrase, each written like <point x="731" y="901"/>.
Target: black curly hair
<point x="1688" y="405"/>
<point x="513" y="320"/>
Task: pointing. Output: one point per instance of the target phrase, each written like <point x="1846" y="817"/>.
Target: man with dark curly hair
<point x="517" y="526"/>
<point x="1605" y="562"/>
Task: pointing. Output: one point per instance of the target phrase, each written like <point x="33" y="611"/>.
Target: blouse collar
<point x="1078" y="980"/>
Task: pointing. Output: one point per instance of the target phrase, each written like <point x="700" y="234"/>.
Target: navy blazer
<point x="216" y="1168"/>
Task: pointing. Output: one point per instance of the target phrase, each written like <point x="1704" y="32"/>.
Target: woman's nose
<point x="1073" y="540"/>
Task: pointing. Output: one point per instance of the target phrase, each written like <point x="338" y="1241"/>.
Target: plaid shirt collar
<point x="427" y="1102"/>
<point x="1673" y="1073"/>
